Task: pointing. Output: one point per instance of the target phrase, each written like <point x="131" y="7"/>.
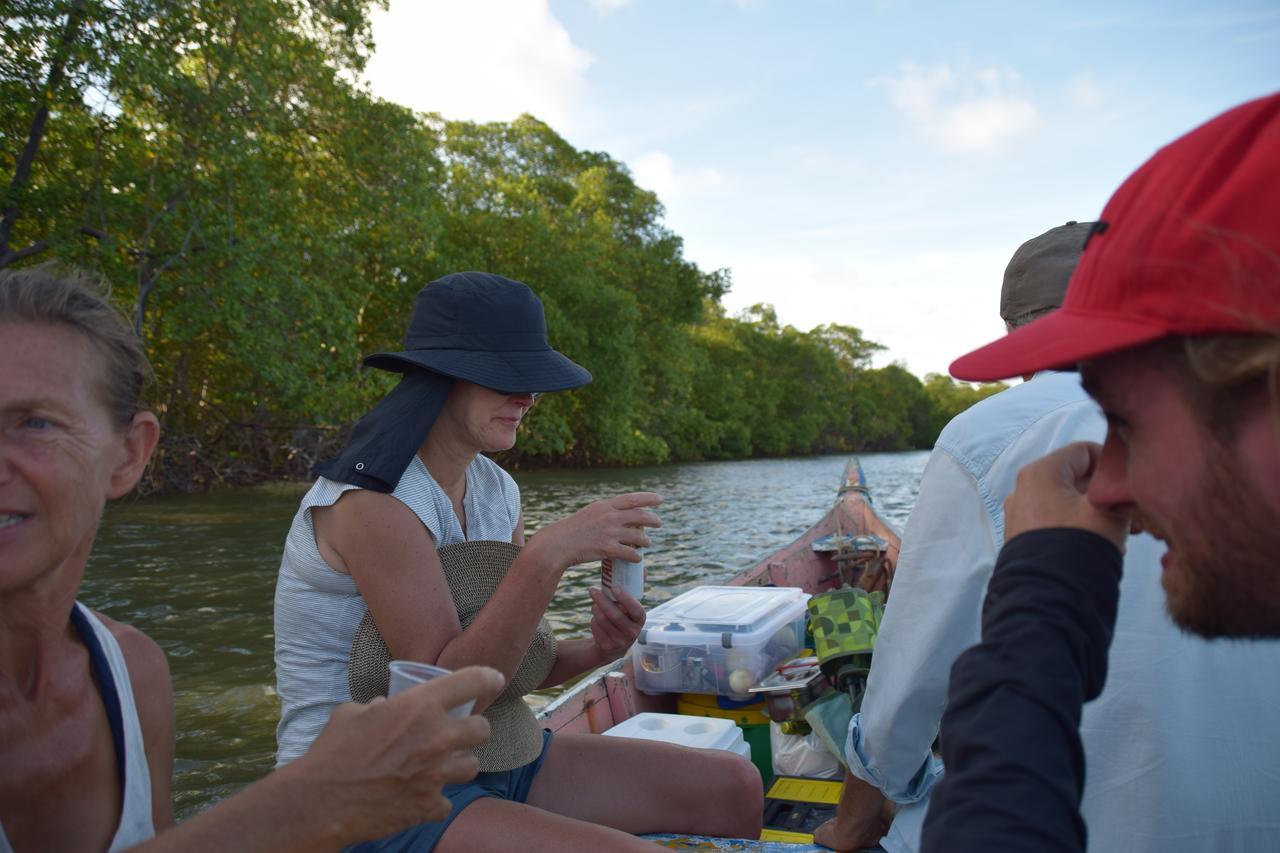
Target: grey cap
<point x="1036" y="279"/>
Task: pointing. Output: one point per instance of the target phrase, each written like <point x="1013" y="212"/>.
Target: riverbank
<point x="254" y="455"/>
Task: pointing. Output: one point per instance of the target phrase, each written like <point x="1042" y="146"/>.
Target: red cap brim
<point x="1061" y="339"/>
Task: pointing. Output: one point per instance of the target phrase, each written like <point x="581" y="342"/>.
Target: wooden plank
<point x="710" y="844"/>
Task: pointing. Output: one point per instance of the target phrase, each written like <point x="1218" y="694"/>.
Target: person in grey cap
<point x="1152" y="749"/>
<point x="413" y="535"/>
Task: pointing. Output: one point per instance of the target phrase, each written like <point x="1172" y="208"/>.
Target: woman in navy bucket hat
<point x="474" y="326"/>
<point x="486" y="329"/>
<point x="413" y="533"/>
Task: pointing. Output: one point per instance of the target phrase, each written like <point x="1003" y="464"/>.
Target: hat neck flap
<point x="384" y="441"/>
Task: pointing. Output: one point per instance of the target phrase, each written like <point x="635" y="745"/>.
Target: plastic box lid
<point x="724" y="616"/>
<point x="702" y="732"/>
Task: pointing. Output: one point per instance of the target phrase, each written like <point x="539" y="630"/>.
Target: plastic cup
<point x="407" y="673"/>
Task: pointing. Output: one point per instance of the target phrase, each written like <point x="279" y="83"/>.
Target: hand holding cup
<point x="379" y="768"/>
<point x="407" y="673"/>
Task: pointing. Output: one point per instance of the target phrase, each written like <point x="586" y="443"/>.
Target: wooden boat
<point x="851" y="544"/>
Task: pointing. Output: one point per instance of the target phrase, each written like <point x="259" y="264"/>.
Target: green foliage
<point x="266" y="222"/>
<point x="949" y="397"/>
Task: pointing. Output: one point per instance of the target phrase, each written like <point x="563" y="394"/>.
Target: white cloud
<point x="966" y="111"/>
<point x="483" y="60"/>
<point x="987" y="123"/>
<point x="927" y="308"/>
<point x="655" y="170"/>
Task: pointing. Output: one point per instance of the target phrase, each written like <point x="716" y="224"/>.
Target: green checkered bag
<point x="844" y="622"/>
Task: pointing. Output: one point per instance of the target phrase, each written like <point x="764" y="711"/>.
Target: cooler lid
<point x="727" y="609"/>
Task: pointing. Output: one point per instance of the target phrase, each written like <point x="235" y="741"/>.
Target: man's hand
<point x="379" y="768"/>
<point x="1052" y="492"/>
<point x="862" y="818"/>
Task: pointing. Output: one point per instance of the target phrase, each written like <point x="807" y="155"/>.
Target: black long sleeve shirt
<point x="1011" y="731"/>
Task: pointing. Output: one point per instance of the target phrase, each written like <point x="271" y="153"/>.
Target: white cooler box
<point x="720" y="640"/>
<point x="685" y="730"/>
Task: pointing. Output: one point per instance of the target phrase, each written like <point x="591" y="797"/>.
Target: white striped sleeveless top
<point x="317" y="609"/>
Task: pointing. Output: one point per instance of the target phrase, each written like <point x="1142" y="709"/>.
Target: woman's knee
<point x="733" y="798"/>
<point x="748" y="793"/>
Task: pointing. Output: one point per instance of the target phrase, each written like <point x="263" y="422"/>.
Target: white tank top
<point x="317" y="609"/>
<point x="135" y="824"/>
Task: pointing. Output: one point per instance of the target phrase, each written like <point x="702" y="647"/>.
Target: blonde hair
<point x="1224" y="374"/>
<point x="59" y="296"/>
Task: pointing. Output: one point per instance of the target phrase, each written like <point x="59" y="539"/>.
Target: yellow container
<point x="705" y="705"/>
<point x="750" y="718"/>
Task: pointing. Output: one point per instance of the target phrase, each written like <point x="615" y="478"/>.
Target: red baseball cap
<point x="1189" y="245"/>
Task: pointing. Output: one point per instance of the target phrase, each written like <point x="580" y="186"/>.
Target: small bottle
<point x="623" y="574"/>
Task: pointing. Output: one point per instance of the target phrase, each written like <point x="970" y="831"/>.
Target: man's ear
<point x="139" y="442"/>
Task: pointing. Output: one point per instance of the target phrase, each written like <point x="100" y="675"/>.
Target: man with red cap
<point x="1173" y="317"/>
<point x="1133" y="801"/>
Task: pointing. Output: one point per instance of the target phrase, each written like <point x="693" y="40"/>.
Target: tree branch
<point x="147" y="278"/>
<point x="12" y="257"/>
<point x="22" y="171"/>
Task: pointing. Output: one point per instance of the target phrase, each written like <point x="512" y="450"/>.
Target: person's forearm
<point x="861" y="805"/>
<point x="274" y="815"/>
<point x="948" y="551"/>
<point x="499" y="636"/>
<point x="574" y="657"/>
<point x="1010" y="734"/>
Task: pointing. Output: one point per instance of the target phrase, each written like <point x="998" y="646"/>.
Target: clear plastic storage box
<point x="719" y="639"/>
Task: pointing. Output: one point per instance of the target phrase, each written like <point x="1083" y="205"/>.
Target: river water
<point x="197" y="574"/>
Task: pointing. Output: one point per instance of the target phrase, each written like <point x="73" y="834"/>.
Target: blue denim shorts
<point x="510" y="785"/>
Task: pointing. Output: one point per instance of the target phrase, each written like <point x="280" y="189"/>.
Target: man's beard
<point x="1224" y="575"/>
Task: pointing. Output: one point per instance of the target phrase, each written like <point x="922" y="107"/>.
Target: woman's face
<point x="61" y="457"/>
<point x="484" y="419"/>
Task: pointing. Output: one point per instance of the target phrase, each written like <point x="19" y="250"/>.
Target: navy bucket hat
<point x="474" y="326"/>
<point x="485" y="329"/>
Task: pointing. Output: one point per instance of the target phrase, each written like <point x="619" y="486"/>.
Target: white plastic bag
<point x="802" y="755"/>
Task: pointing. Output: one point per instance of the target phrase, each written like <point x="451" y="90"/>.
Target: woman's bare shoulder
<point x="144" y="657"/>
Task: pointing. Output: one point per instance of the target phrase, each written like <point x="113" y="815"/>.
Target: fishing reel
<point x="789" y="689"/>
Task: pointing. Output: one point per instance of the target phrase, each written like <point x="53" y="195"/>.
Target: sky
<point x="873" y="163"/>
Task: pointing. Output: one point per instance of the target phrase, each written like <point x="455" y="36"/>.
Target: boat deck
<point x="707" y="844"/>
<point x="736" y="845"/>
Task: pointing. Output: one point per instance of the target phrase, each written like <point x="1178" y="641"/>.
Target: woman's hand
<point x="614" y="624"/>
<point x="613" y="527"/>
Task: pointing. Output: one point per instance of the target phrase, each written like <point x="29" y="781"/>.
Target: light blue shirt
<point x="1182" y="747"/>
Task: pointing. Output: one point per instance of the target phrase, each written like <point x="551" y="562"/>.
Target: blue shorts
<point x="512" y="785"/>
